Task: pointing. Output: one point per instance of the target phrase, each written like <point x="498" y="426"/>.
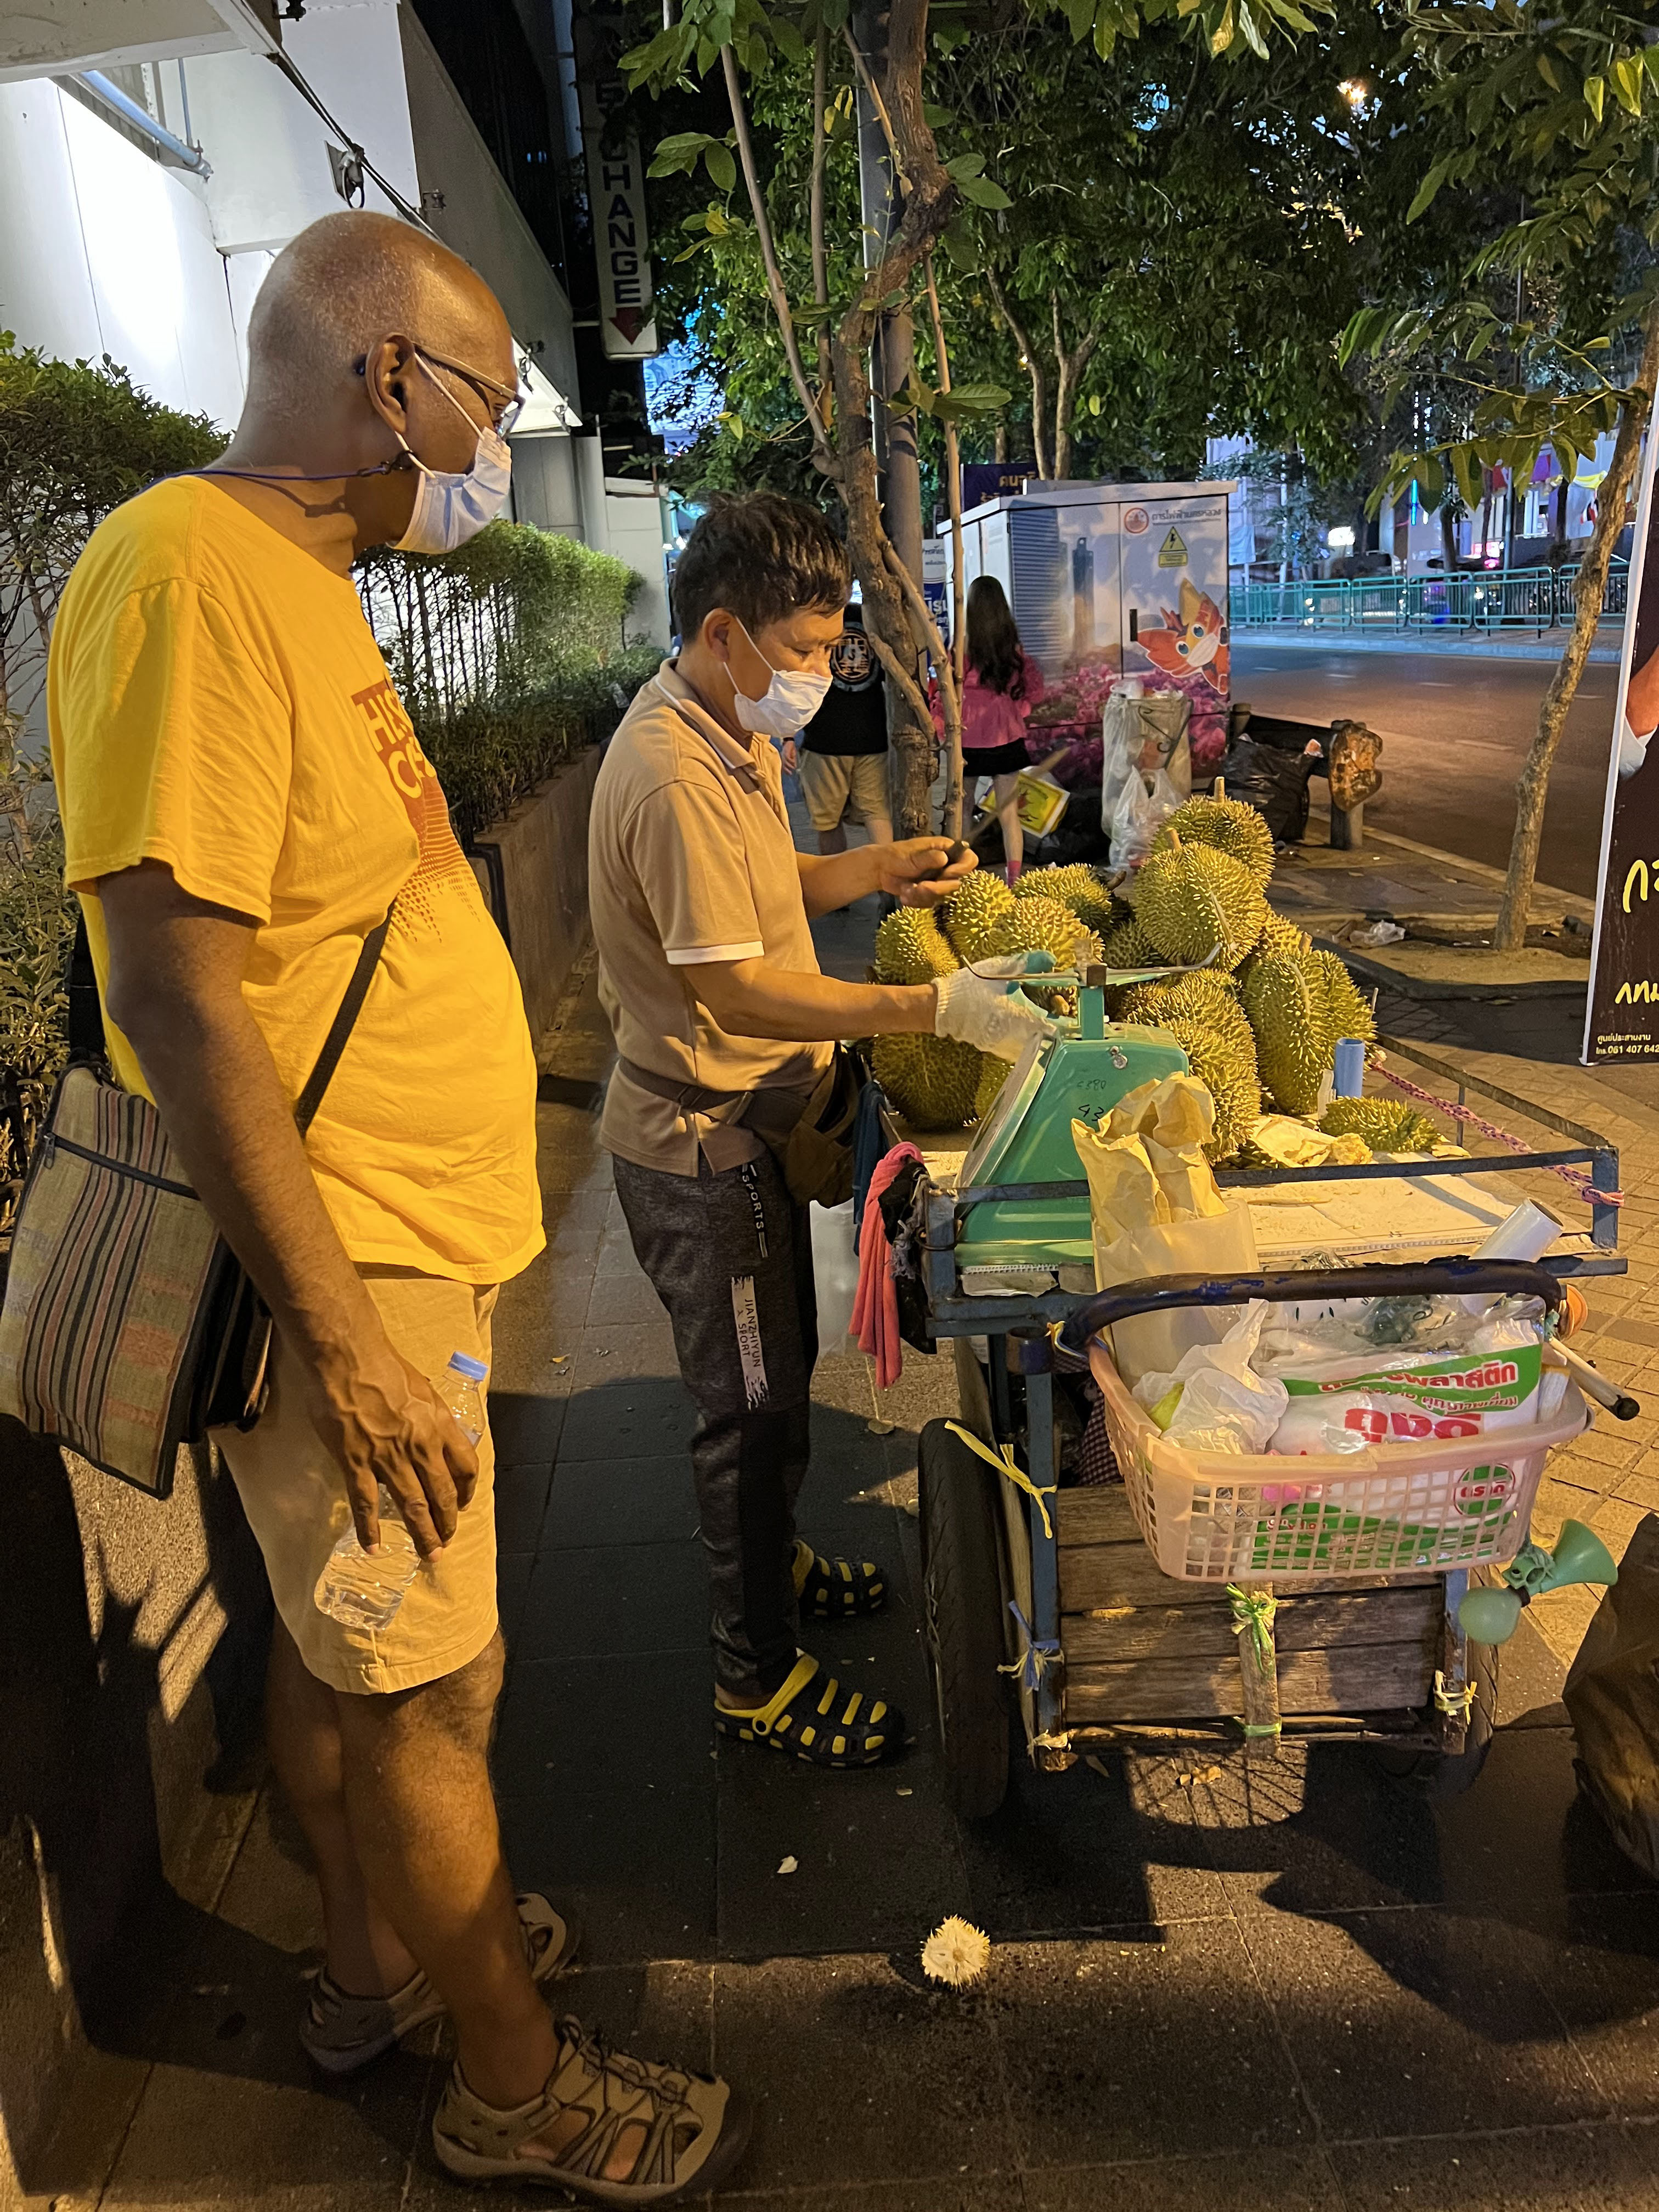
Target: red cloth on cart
<point x="875" y="1308"/>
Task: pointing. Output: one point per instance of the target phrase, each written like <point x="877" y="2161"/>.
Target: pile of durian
<point x="1260" y="1025"/>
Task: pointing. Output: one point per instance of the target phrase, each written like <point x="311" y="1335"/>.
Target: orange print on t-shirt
<point x="417" y="786"/>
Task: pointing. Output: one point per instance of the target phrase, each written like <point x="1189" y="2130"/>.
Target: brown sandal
<point x="695" y="2128"/>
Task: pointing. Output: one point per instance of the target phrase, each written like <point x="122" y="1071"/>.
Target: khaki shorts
<point x="295" y="1496"/>
<point x="828" y="781"/>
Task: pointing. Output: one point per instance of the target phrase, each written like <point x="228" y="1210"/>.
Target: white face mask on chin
<point x="452" y="505"/>
<point x="792" y="699"/>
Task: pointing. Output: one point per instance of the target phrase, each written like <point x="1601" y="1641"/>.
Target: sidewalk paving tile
<point x="1569" y="2169"/>
<point x="1259" y="2180"/>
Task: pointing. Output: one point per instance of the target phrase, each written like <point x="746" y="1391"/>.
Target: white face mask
<point x="792" y="699"/>
<point x="452" y="506"/>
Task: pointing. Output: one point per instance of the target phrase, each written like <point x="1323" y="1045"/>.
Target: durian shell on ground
<point x="932" y="1081"/>
<point x="911" y="948"/>
<point x="1229" y="826"/>
<point x="1192" y="901"/>
<point x="982" y="902"/>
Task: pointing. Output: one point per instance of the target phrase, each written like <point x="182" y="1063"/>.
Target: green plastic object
<point x="1078" y="1073"/>
<point x="1491" y="1616"/>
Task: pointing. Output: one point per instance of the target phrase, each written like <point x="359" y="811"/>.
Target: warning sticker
<point x="1172" y="553"/>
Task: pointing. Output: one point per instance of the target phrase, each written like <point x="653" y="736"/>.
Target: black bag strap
<point x="305" y="1111"/>
<point x="85" y="1014"/>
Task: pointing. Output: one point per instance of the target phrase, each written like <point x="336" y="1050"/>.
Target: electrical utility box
<point x="1113" y="579"/>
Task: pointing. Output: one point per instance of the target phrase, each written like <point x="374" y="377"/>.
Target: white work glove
<point x="980" y="1008"/>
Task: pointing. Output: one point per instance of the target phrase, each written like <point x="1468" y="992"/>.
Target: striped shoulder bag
<point x="129" y="1327"/>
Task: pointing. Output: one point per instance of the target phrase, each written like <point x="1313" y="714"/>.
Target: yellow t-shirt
<point x="217" y="702"/>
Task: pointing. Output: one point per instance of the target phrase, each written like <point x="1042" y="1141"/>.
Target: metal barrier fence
<point x="1495" y="599"/>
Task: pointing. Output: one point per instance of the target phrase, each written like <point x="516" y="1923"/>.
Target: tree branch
<point x="814" y="210"/>
<point x="822" y="453"/>
<point x="1033" y="368"/>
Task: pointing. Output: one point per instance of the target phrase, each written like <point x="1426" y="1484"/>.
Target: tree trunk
<point x="1034" y="368"/>
<point x="1533" y="788"/>
<point x="1070" y="365"/>
<point x="951" y="692"/>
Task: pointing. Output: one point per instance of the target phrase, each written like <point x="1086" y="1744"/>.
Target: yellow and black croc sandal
<point x="813" y="1717"/>
<point x="836" y="1590"/>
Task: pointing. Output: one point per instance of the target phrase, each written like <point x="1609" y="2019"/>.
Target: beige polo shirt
<point x="690" y="859"/>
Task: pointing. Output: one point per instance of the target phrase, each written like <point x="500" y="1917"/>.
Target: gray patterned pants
<point x="731" y="1257"/>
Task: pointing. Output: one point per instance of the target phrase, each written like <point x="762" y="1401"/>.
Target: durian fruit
<point x="1204" y="997"/>
<point x="1127" y="946"/>
<point x="1192" y="899"/>
<point x="1285" y="1000"/>
<point x="1229" y="826"/>
<point x="1077" y="887"/>
<point x="1036" y="925"/>
<point x="982" y="902"/>
<point x="1347" y="1012"/>
<point x="1283" y="938"/>
<point x="993" y="1074"/>
<point x="911" y="948"/>
<point x="1226" y="1066"/>
<point x="932" y="1081"/>
<point x="1385" y="1125"/>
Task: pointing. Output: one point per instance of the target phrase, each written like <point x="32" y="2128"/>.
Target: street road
<point x="1456" y="734"/>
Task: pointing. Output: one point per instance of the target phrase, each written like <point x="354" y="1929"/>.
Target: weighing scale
<point x="1076" y="1070"/>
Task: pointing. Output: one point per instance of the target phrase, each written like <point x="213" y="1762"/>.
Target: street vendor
<point x="725" y="1028"/>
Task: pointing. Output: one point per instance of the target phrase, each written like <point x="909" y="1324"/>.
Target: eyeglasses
<point x="503" y="404"/>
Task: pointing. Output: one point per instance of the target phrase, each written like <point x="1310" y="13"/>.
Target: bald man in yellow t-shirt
<point x="244" y="800"/>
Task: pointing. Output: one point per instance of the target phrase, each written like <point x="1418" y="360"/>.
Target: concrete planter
<point x="532" y="865"/>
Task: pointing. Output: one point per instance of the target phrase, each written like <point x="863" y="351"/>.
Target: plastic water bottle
<point x="364" y="1590"/>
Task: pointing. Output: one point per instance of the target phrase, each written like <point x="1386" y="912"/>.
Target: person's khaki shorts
<point x="828" y="781"/>
<point x="295" y="1496"/>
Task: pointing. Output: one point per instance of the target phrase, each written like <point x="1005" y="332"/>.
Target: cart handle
<point x="1425" y="1278"/>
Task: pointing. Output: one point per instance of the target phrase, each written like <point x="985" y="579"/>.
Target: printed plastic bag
<point x="1141" y="734"/>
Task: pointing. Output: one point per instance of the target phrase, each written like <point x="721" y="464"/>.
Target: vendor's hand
<point x="383" y="1422"/>
<point x="919" y="871"/>
<point x="791" y="758"/>
<point x="976" y="1006"/>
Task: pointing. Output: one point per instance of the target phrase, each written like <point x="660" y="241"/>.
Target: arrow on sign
<point x="631" y="322"/>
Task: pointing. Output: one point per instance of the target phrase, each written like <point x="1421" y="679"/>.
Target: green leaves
<point x="680" y="154"/>
<point x="965" y="171"/>
<point x="963" y="403"/>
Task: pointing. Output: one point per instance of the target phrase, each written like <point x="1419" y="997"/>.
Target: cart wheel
<point x="1442" y="1775"/>
<point x="961" y="1587"/>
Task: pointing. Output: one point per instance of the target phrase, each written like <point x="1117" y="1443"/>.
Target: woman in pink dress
<point x="998" y="692"/>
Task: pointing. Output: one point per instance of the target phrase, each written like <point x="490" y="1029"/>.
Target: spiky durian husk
<point x="1036" y="925"/>
<point x="911" y="948"/>
<point x="1193" y="899"/>
<point x="932" y="1081"/>
<point x="1229" y="826"/>
<point x="1385" y="1125"/>
<point x="1283" y="938"/>
<point x="1285" y="1002"/>
<point x="1347" y="1012"/>
<point x="1204" y="997"/>
<point x="1225" y="1066"/>
<point x="1077" y="887"/>
<point x="982" y="902"/>
<point x="1127" y="946"/>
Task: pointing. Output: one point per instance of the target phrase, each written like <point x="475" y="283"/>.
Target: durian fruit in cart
<point x="1387" y="1125"/>
<point x="1198" y="903"/>
<point x="1285" y="1000"/>
<point x="911" y="948"/>
<point x="1127" y="946"/>
<point x="1229" y="825"/>
<point x="1347" y="1012"/>
<point x="1225" y="1066"/>
<point x="1282" y="939"/>
<point x="1077" y="887"/>
<point x="982" y="902"/>
<point x="933" y="1082"/>
<point x="1038" y="925"/>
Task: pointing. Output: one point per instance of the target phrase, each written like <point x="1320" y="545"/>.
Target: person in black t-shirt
<point x="842" y="752"/>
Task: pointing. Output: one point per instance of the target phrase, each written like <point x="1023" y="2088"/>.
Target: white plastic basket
<point x="1389" y="1510"/>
